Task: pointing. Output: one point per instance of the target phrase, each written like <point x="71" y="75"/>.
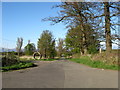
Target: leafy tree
<point x="19" y="45"/>
<point x="74" y="39"/>
<point x="60" y="47"/>
<point x="29" y="48"/>
<point x="46" y="44"/>
<point x="53" y="52"/>
<point x="74" y="14"/>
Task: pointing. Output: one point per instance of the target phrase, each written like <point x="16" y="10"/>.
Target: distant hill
<point x="7" y="50"/>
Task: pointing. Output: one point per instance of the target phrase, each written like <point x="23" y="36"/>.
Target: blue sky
<point x="24" y="20"/>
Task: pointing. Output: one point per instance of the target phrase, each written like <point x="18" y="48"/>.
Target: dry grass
<point x="111" y="58"/>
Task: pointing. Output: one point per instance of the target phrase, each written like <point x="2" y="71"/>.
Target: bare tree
<point x="19" y="45"/>
<point x="108" y="13"/>
<point x="74" y="14"/>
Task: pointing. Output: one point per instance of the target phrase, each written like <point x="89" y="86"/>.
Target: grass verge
<point x="21" y="65"/>
<point x="95" y="64"/>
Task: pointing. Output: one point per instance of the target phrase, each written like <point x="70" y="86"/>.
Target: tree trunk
<point x="45" y="54"/>
<point x="18" y="53"/>
<point x="84" y="49"/>
<point x="107" y="27"/>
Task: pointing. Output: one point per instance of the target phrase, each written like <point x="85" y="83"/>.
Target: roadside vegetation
<point x="86" y="30"/>
<point x="11" y="62"/>
<point x="86" y="60"/>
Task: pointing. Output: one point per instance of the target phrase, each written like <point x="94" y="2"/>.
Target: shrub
<point x="9" y="59"/>
<point x="92" y="49"/>
<point x="108" y="58"/>
<point x="21" y="65"/>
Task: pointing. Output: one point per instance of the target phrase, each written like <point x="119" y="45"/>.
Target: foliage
<point x="96" y="64"/>
<point x="80" y="14"/>
<point x="60" y="47"/>
<point x="92" y="49"/>
<point x="46" y="44"/>
<point x="74" y="40"/>
<point x="74" y="14"/>
<point x="9" y="59"/>
<point x="17" y="66"/>
<point x="12" y="62"/>
<point x="5" y="53"/>
<point x="111" y="58"/>
<point x="29" y="49"/>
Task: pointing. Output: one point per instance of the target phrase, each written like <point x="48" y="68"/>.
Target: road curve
<point x="60" y="74"/>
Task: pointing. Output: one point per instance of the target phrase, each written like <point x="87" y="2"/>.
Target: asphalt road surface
<point x="60" y="74"/>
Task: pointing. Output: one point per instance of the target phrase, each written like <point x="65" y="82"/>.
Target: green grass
<point x="21" y="65"/>
<point x="96" y="64"/>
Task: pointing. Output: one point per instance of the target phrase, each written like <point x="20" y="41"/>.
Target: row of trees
<point x="89" y="23"/>
<point x="29" y="49"/>
<point x="65" y="47"/>
<point x="48" y="48"/>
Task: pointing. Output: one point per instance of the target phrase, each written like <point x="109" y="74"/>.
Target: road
<point x="60" y="74"/>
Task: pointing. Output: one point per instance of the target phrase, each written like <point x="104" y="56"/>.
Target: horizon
<point x="23" y="19"/>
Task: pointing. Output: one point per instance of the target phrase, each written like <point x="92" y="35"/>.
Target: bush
<point x="92" y="49"/>
<point x="21" y="65"/>
<point x="108" y="58"/>
<point x="12" y="62"/>
<point x="9" y="59"/>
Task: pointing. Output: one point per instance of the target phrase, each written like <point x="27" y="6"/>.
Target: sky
<point x="24" y="19"/>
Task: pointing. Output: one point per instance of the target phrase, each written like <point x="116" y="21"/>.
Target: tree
<point x="46" y="44"/>
<point x="29" y="48"/>
<point x="108" y="24"/>
<point x="19" y="45"/>
<point x="74" y="14"/>
<point x="52" y="49"/>
<point x="74" y="39"/>
<point x="60" y="47"/>
<point x="107" y="16"/>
